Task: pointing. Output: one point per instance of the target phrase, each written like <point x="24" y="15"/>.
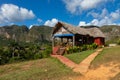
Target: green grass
<point x="43" y="69"/>
<point x="78" y="57"/>
<point x="111" y="54"/>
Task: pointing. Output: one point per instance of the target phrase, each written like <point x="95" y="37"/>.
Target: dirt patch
<point x="34" y="64"/>
<point x="101" y="73"/>
<point x="84" y="65"/>
<point x="27" y="66"/>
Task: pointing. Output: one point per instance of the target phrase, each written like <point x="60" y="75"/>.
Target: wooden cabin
<point x="65" y="34"/>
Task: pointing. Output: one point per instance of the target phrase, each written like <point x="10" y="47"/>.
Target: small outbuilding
<point x="65" y="34"/>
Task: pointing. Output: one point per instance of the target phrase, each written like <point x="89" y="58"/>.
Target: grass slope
<point x="78" y="57"/>
<point x="108" y="55"/>
<point x="43" y="69"/>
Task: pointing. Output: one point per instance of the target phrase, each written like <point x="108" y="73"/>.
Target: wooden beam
<point x="61" y="40"/>
<point x="73" y="40"/>
<point x="53" y="42"/>
<point x="82" y="40"/>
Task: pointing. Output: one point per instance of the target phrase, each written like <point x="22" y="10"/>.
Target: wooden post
<point x="61" y="40"/>
<point x="61" y="43"/>
<point x="87" y="39"/>
<point x="73" y="40"/>
<point x="52" y="43"/>
<point x="82" y="40"/>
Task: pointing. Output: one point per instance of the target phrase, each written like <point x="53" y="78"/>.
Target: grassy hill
<point x="43" y="69"/>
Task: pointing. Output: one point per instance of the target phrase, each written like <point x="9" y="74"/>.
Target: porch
<point x="62" y="41"/>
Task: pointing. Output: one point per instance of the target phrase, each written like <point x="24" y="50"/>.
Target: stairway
<point x="61" y="51"/>
<point x="57" y="50"/>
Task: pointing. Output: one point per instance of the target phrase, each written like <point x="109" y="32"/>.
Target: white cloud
<point x="13" y="13"/>
<point x="105" y="18"/>
<point x="51" y="23"/>
<point x="72" y="5"/>
<point x="31" y="26"/>
<point x="99" y="15"/>
<point x="94" y="22"/>
<point x="88" y="4"/>
<point x="115" y="15"/>
<point x="39" y="20"/>
<point x="82" y="23"/>
<point x="79" y="5"/>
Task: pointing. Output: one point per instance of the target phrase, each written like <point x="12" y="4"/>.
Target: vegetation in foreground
<point x="81" y="48"/>
<point x="78" y="57"/>
<point x="43" y="69"/>
<point x="79" y="53"/>
<point x="17" y="51"/>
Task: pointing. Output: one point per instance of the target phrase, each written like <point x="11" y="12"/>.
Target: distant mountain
<point x="112" y="33"/>
<point x="39" y="33"/>
<point x="22" y="33"/>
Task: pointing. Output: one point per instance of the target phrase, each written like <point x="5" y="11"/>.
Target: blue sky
<point x="49" y="12"/>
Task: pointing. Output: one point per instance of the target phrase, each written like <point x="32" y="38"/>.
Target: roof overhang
<point x="63" y="35"/>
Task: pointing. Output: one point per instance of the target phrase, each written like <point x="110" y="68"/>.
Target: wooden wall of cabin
<point x="99" y="41"/>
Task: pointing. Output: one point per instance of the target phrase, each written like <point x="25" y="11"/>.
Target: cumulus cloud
<point x="51" y="23"/>
<point x="13" y="13"/>
<point x="79" y="5"/>
<point x="115" y="15"/>
<point x="88" y="4"/>
<point x="82" y="23"/>
<point x="31" y="26"/>
<point x="99" y="15"/>
<point x="103" y="18"/>
<point x="39" y="20"/>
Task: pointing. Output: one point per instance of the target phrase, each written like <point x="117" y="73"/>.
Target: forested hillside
<point x="112" y="33"/>
<point x="23" y="34"/>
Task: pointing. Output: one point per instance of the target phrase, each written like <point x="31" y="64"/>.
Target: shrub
<point x="81" y="48"/>
<point x="75" y="49"/>
<point x="17" y="51"/>
<point x="91" y="46"/>
<point x="84" y="47"/>
<point x="46" y="53"/>
<point x="71" y="50"/>
<point x="94" y="46"/>
<point x="118" y="42"/>
<point x="14" y="59"/>
<point x="5" y="55"/>
<point x="38" y="56"/>
<point x="29" y="55"/>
